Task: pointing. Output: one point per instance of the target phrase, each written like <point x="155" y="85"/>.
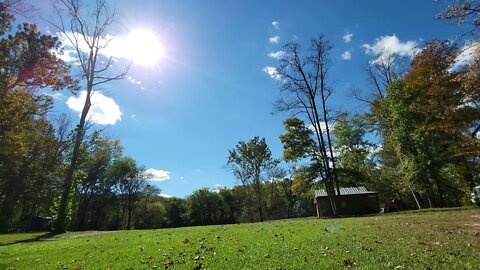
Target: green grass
<point x="425" y="240"/>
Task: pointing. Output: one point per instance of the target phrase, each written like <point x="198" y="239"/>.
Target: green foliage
<point x="426" y="130"/>
<point x="250" y="161"/>
<point x="30" y="147"/>
<point x="355" y="160"/>
<point x="297" y="142"/>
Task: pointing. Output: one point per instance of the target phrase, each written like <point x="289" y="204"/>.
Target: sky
<point x="207" y="76"/>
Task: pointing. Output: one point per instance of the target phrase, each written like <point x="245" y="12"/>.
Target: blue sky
<point x="210" y="88"/>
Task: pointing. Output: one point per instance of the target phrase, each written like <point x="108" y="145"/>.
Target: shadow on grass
<point x="41" y="237"/>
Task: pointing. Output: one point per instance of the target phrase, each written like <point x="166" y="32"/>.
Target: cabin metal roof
<point x="345" y="191"/>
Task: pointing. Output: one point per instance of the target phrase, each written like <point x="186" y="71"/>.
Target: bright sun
<point x="144" y="46"/>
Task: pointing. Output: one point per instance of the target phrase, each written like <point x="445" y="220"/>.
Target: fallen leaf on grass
<point x="186" y="241"/>
<point x="167" y="264"/>
<point x="348" y="263"/>
<point x="443" y="261"/>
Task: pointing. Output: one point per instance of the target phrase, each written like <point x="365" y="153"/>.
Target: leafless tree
<point x="87" y="32"/>
<point x="384" y="69"/>
<point x="306" y="90"/>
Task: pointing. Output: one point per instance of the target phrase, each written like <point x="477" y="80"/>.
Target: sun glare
<point x="145" y="47"/>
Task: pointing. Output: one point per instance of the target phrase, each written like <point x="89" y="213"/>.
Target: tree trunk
<point x="61" y="222"/>
<point x="440" y="192"/>
<point x="129" y="214"/>
<point x="259" y="201"/>
<point x="415" y="197"/>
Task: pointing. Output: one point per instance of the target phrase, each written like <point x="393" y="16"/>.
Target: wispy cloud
<point x="387" y="46"/>
<point x="346" y="55"/>
<point x="133" y="80"/>
<point x="467" y="54"/>
<point x="166" y="195"/>
<point x="55" y="95"/>
<point x="348" y="38"/>
<point x="272" y="71"/>
<point x="157" y="175"/>
<point x="276" y="24"/>
<point x="275" y="39"/>
<point x="104" y="110"/>
<point x="277" y="55"/>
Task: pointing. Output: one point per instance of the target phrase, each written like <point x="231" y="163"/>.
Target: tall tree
<point x="87" y="33"/>
<point x="428" y="118"/>
<point x="306" y="88"/>
<point x="355" y="162"/>
<point x="97" y="155"/>
<point x="27" y="64"/>
<point x="249" y="162"/>
<point x="130" y="180"/>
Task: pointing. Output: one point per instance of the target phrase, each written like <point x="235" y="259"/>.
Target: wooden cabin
<point x="352" y="201"/>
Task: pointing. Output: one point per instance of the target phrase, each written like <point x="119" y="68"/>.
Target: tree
<point x="463" y="11"/>
<point x="151" y="212"/>
<point x="204" y="207"/>
<point x="176" y="212"/>
<point x="304" y="82"/>
<point x="130" y="180"/>
<point x="97" y="155"/>
<point x="249" y="162"/>
<point x="427" y="119"/>
<point x="355" y="163"/>
<point x="27" y="140"/>
<point x="88" y="35"/>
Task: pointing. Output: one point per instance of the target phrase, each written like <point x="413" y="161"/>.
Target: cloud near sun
<point x="104" y="110"/>
<point x="141" y="46"/>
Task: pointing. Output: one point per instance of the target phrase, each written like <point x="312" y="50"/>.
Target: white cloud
<point x="387" y="46"/>
<point x="467" y="54"/>
<point x="323" y="127"/>
<point x="275" y="39"/>
<point x="277" y="55"/>
<point x="104" y="110"/>
<point x="276" y="24"/>
<point x="166" y="195"/>
<point x="133" y="80"/>
<point x="272" y="71"/>
<point x="157" y="175"/>
<point x="347" y="38"/>
<point x="129" y="47"/>
<point x="54" y="95"/>
<point x="68" y="55"/>
<point x="216" y="188"/>
<point x="346" y="55"/>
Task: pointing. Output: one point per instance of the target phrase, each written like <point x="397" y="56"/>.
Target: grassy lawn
<point x="448" y="239"/>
